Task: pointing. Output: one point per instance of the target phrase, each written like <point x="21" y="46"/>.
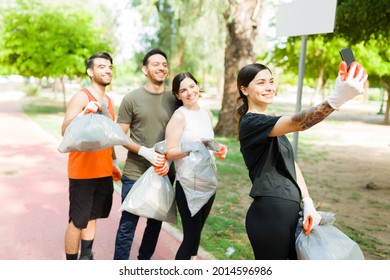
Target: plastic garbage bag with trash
<point x="92" y="132"/>
<point x="325" y="242"/>
<point x="152" y="195"/>
<point x="197" y="175"/>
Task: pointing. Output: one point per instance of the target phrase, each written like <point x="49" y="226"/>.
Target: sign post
<point x="303" y="18"/>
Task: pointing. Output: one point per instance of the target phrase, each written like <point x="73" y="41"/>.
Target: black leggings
<point x="270" y="226"/>
<point x="192" y="226"/>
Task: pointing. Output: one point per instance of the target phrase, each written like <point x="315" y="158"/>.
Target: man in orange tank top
<point x="90" y="174"/>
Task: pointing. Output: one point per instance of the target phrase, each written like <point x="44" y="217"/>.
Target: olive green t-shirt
<point x="147" y="114"/>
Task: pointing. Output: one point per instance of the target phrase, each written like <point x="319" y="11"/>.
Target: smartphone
<point x="347" y="56"/>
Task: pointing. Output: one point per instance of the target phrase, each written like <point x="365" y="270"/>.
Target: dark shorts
<point x="89" y="199"/>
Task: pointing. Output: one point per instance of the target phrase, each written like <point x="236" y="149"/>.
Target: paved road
<point x="34" y="195"/>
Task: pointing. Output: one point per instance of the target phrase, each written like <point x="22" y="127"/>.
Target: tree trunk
<point x="242" y="21"/>
<point x="318" y="85"/>
<point x="55" y="88"/>
<point x="63" y="92"/>
<point x="387" y="113"/>
<point x="177" y="58"/>
<point x="386" y="85"/>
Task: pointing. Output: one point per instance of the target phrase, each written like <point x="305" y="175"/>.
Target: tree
<point x="322" y="60"/>
<point x="368" y="21"/>
<point x="44" y="40"/>
<point x="242" y="21"/>
<point x="190" y="32"/>
<point x="377" y="58"/>
<point x="363" y="20"/>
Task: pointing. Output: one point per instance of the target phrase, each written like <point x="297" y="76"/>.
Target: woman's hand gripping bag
<point x="325" y="242"/>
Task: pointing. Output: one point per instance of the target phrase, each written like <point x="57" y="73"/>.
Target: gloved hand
<point x="91" y="107"/>
<point x="152" y="156"/>
<point x="348" y="84"/>
<point x="222" y="152"/>
<point x="311" y="217"/>
<point x="116" y="172"/>
<point x="163" y="170"/>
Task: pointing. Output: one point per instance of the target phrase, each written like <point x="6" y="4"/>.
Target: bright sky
<point x="130" y="27"/>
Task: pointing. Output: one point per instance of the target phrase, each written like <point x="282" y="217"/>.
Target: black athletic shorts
<point x="89" y="199"/>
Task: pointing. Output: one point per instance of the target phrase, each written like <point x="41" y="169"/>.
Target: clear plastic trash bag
<point x="197" y="175"/>
<point x="92" y="132"/>
<point x="160" y="147"/>
<point x="152" y="196"/>
<point x="325" y="242"/>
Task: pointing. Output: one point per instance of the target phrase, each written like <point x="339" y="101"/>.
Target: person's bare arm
<point x="149" y="154"/>
<point x="303" y="120"/>
<point x="173" y="134"/>
<point x="132" y="147"/>
<point x="113" y="153"/>
<point x="211" y="116"/>
<point x="75" y="106"/>
<point x="301" y="182"/>
<point x="309" y="210"/>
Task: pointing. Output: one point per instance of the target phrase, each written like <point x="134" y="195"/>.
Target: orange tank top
<point x="97" y="164"/>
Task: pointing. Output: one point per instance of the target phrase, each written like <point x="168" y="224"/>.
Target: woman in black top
<point x="278" y="187"/>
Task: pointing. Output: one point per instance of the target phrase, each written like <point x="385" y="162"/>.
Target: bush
<point x="31" y="90"/>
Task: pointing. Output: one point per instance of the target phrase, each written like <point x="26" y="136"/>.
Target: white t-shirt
<point x="198" y="125"/>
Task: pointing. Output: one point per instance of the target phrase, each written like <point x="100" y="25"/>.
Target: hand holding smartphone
<point x="347" y="56"/>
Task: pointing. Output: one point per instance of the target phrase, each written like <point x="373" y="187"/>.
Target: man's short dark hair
<point x="153" y="52"/>
<point x="105" y="55"/>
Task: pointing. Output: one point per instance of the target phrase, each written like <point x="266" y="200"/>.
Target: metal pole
<point x="301" y="74"/>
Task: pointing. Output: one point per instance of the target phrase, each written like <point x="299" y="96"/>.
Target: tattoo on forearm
<point x="310" y="117"/>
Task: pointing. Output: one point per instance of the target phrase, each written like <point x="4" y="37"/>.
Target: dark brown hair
<point x="145" y="60"/>
<point x="245" y="76"/>
<point x="90" y="62"/>
<point x="176" y="85"/>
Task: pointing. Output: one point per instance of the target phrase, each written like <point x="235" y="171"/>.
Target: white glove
<point x="152" y="156"/>
<point x="116" y="171"/>
<point x="91" y="107"/>
<point x="348" y="84"/>
<point x="311" y="217"/>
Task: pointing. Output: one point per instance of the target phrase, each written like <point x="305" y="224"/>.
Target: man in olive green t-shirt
<point x="145" y="112"/>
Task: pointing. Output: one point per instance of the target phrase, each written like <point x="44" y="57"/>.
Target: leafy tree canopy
<point x="47" y="40"/>
<point x="192" y="33"/>
<point x="362" y="20"/>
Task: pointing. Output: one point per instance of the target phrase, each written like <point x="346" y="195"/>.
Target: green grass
<point x="355" y="196"/>
<point x="226" y="223"/>
<point x="46" y="112"/>
<point x="367" y="242"/>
